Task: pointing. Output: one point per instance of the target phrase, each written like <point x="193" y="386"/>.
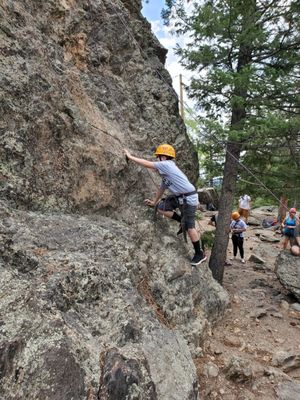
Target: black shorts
<point x="170" y="203"/>
<point x="189" y="215"/>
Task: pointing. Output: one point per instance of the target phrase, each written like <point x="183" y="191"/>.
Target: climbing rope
<point x="194" y="114"/>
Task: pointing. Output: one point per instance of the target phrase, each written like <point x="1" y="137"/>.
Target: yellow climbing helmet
<point x="235" y="215"/>
<point x="165" y="150"/>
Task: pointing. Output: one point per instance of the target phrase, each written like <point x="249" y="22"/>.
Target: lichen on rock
<point x="90" y="286"/>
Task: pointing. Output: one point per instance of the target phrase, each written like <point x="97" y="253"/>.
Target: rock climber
<point x="237" y="228"/>
<point x="288" y="225"/>
<point x="185" y="195"/>
<point x="244" y="207"/>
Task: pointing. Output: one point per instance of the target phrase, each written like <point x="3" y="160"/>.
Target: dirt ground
<point x="239" y="356"/>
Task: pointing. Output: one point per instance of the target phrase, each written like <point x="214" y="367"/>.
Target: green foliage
<point x="274" y="157"/>
<point x="198" y="216"/>
<point x="262" y="201"/>
<point x="210" y="153"/>
<point x="207" y="239"/>
<point x="245" y="57"/>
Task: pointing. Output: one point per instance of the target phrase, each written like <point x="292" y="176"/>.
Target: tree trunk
<point x="282" y="209"/>
<point x="219" y="250"/>
<point x="233" y="150"/>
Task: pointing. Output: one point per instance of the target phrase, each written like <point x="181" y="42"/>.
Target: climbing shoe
<point x="198" y="259"/>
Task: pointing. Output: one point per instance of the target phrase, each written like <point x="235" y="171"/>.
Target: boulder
<point x="256" y="259"/>
<point x="264" y="211"/>
<point x="69" y="109"/>
<point x="97" y="301"/>
<point x="76" y="289"/>
<point x="270" y="239"/>
<point x="266" y="235"/>
<point x="209" y="196"/>
<point x="253" y="221"/>
<point x="288" y="390"/>
<point x="239" y="370"/>
<point x="287" y="361"/>
<point x="287" y="269"/>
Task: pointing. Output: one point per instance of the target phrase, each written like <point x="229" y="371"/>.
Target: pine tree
<point x="275" y="158"/>
<point x="245" y="57"/>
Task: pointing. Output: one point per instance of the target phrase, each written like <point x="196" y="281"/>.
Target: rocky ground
<point x="254" y="353"/>
<point x="77" y="289"/>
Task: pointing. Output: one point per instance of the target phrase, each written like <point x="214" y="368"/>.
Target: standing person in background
<point x="244" y="207"/>
<point x="186" y="196"/>
<point x="289" y="224"/>
<point x="213" y="220"/>
<point x="237" y="228"/>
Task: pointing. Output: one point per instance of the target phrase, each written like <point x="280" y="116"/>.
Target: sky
<point x="152" y="11"/>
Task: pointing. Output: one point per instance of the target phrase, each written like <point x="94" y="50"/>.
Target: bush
<point x="261" y="201"/>
<point x="207" y="239"/>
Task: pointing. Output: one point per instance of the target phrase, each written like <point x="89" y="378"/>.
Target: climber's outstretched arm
<point x="140" y="161"/>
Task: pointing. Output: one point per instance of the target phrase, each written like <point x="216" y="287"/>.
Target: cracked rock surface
<point x="82" y="311"/>
<point x="97" y="302"/>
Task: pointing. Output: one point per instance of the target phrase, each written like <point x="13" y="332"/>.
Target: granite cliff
<point x="97" y="301"/>
<point x="81" y="80"/>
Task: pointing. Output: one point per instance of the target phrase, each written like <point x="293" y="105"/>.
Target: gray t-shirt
<point x="175" y="180"/>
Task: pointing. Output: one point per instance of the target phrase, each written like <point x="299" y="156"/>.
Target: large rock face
<point x="97" y="302"/>
<point x="87" y="303"/>
<point x="209" y="196"/>
<point x="287" y="269"/>
<point x="81" y="80"/>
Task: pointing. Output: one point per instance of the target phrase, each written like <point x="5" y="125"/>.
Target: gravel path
<point x="254" y="352"/>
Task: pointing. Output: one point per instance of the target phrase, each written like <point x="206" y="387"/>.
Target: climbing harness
<point x="168" y="199"/>
<point x="179" y="201"/>
<point x="184" y="195"/>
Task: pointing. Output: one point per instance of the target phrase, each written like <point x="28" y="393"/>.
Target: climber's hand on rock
<point x="127" y="153"/>
<point x="149" y="202"/>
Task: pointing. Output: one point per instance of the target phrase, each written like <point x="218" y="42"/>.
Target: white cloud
<point x="156" y="27"/>
<point x="169" y="41"/>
